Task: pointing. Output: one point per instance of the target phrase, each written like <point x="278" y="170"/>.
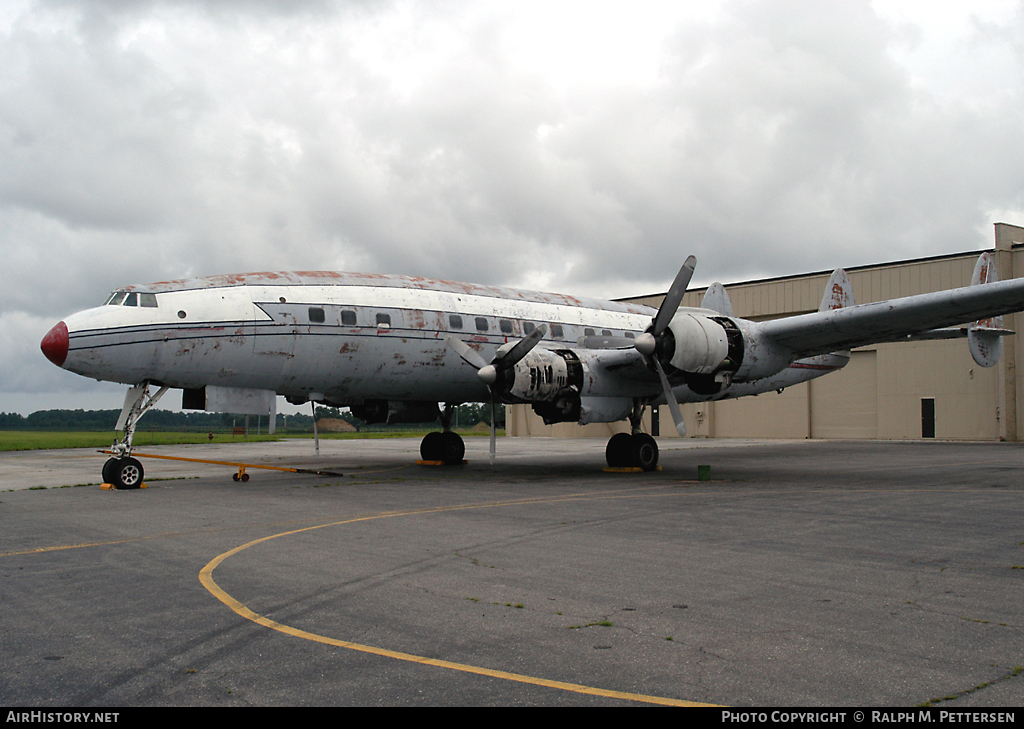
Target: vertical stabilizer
<point x="716" y="299"/>
<point x="838" y="292"/>
<point x="984" y="337"/>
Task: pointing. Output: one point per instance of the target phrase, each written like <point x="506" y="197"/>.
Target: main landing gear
<point x="634" y="449"/>
<point x="445" y="446"/>
<point x="122" y="471"/>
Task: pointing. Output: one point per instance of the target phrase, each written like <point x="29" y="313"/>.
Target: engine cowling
<point x="701" y="344"/>
<point x="549" y="379"/>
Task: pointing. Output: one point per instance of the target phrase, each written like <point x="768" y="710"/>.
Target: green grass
<point x="29" y="440"/>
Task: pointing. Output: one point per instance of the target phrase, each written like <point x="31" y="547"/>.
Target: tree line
<point x="467" y="416"/>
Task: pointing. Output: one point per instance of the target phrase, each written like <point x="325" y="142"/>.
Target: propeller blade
<point x="674" y="296"/>
<point x="494" y="431"/>
<point x="469" y="355"/>
<point x="670" y="399"/>
<point x="521" y="348"/>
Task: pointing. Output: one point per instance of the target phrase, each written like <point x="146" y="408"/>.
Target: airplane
<point x="393" y="347"/>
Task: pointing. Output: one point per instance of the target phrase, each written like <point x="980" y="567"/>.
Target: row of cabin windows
<point x="348" y="318"/>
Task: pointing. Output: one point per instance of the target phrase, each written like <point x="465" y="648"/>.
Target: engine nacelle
<point x="549" y="379"/>
<point x="710" y="352"/>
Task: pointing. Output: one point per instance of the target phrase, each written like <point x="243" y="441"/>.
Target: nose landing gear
<point x="122" y="471"/>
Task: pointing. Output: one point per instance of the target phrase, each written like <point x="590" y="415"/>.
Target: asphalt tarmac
<point x="812" y="573"/>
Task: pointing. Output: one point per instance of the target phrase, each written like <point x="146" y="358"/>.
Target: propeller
<point x="650" y="342"/>
<point x="504" y="359"/>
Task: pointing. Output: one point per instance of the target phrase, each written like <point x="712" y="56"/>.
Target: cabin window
<point x="629" y="335"/>
<point x="147" y="300"/>
<point x="506" y="326"/>
<point x="588" y="332"/>
<point x="316" y="315"/>
<point x="131" y="299"/>
<point x="384" y="320"/>
<point x="481" y="324"/>
<point x="528" y="327"/>
<point x="556" y="331"/>
<point x="348" y="318"/>
<point x="605" y="333"/>
<point x="455" y="321"/>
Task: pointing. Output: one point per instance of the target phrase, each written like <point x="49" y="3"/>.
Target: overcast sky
<point x="577" y="147"/>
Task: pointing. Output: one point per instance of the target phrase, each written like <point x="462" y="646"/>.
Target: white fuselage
<point x="351" y="337"/>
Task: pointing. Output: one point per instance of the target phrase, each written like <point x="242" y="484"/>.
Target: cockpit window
<point x="125" y="298"/>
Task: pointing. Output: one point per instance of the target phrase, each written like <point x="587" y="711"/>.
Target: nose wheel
<point x="123" y="473"/>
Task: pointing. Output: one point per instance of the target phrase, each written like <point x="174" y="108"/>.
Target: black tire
<point x="430" y="446"/>
<point x="127" y="474"/>
<point x="619" y="450"/>
<point x="645" y="452"/>
<point x="108" y="470"/>
<point x="453" y="449"/>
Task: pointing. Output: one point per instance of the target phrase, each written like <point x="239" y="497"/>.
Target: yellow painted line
<point x="206" y="578"/>
<point x="40" y="550"/>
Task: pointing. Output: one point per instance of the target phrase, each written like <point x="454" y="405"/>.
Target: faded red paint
<point x="55" y="344"/>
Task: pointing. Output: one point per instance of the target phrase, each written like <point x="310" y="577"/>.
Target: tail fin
<point x="838" y="292"/>
<point x="985" y="336"/>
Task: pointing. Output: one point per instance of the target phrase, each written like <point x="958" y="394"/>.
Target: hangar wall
<point x="909" y="390"/>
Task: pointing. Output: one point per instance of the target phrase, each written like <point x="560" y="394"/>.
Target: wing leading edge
<point x="895" y="320"/>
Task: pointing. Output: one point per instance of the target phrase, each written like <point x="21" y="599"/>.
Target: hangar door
<point x="844" y="404"/>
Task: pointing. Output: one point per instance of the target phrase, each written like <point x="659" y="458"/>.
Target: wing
<point x="895" y="320"/>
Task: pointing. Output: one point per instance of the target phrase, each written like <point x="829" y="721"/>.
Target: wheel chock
<point x="112" y="487"/>
<point x="627" y="469"/>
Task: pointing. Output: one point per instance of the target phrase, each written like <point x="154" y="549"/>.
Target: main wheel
<point x="126" y="473"/>
<point x="453" y="449"/>
<point x="645" y="452"/>
<point x="430" y="446"/>
<point x="618" y="452"/>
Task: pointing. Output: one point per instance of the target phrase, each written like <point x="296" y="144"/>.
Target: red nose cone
<point x="55" y="344"/>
